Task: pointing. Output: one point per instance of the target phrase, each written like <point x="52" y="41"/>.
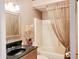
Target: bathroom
<point x="42" y="24"/>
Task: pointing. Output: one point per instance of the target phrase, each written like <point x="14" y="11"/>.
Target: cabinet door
<point x="31" y="55"/>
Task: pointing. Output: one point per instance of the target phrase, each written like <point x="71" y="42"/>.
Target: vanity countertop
<point x="28" y="49"/>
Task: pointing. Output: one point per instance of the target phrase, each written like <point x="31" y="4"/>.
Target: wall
<point x="37" y="14"/>
<point x="44" y="15"/>
<point x="2" y="31"/>
<point x="26" y="16"/>
<point x="26" y="13"/>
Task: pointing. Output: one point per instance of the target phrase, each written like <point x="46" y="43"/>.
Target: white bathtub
<point x="52" y="55"/>
<point x="40" y="56"/>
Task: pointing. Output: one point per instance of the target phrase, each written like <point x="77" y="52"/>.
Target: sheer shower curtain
<point x="60" y="24"/>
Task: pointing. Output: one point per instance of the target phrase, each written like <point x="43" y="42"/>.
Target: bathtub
<point x="52" y="55"/>
<point x="40" y="56"/>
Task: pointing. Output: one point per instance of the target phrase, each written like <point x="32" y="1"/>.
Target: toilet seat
<point x="41" y="57"/>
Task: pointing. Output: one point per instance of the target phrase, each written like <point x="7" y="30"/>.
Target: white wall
<point x="2" y="32"/>
<point x="26" y="15"/>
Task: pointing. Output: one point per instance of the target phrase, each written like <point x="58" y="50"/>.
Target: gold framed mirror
<point x="12" y="24"/>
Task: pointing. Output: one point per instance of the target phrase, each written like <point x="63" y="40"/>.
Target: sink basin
<point x="16" y="52"/>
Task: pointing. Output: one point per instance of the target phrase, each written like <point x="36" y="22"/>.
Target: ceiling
<point x="43" y="7"/>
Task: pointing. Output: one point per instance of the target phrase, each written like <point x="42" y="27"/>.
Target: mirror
<point x="12" y="24"/>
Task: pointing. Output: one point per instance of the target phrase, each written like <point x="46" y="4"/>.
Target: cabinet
<point x="30" y="55"/>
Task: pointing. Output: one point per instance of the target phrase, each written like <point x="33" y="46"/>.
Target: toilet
<point x="41" y="57"/>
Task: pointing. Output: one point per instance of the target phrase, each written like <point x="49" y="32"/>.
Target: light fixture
<point x="12" y="7"/>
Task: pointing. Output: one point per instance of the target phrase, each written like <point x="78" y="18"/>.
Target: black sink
<point x="16" y="52"/>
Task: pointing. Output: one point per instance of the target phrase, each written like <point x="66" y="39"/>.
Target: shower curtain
<point x="60" y="24"/>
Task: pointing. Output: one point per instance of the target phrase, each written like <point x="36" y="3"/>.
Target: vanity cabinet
<point x="30" y="55"/>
